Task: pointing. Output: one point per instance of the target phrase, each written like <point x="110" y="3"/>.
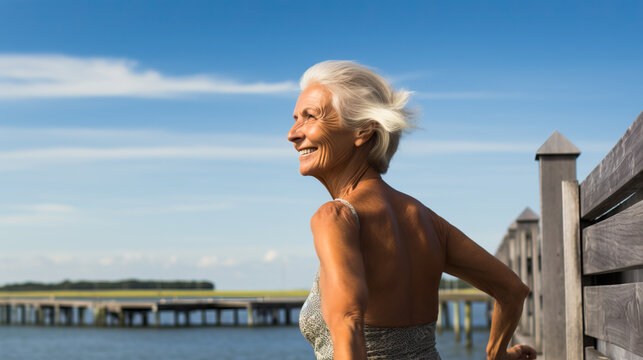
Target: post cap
<point x="557" y="144"/>
<point x="527" y="215"/>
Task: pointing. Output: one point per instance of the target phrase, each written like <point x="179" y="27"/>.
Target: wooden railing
<point x="587" y="259"/>
<point x="520" y="251"/>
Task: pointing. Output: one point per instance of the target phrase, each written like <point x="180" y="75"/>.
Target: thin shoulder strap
<point x="352" y="209"/>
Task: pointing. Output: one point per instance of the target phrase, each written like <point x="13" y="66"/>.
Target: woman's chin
<point x="307" y="170"/>
<point x="304" y="171"/>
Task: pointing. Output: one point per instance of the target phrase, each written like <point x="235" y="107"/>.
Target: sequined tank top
<point x="400" y="343"/>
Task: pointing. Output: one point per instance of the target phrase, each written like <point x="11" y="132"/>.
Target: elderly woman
<point x="382" y="253"/>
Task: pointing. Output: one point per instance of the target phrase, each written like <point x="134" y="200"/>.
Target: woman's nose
<point x="295" y="134"/>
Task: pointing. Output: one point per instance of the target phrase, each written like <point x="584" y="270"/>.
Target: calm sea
<point x="281" y="342"/>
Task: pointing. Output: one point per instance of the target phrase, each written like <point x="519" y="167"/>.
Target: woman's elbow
<point x="514" y="293"/>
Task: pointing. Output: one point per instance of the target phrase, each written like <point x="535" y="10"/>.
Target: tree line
<point x="129" y="284"/>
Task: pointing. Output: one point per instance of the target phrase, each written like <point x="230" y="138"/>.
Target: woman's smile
<point x="307" y="151"/>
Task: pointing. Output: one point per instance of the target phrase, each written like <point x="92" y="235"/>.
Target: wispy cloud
<point x="207" y="261"/>
<point x="463" y="95"/>
<point x="397" y="78"/>
<point x="136" y="153"/>
<point x="47" y="208"/>
<point x="429" y="147"/>
<point x="176" y="209"/>
<point x="415" y="147"/>
<point x="38" y="76"/>
<point x="45" y="214"/>
<point x="270" y="256"/>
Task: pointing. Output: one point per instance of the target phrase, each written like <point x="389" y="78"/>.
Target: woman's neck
<point x="341" y="183"/>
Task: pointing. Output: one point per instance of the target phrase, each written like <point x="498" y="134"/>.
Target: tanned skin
<point x="386" y="271"/>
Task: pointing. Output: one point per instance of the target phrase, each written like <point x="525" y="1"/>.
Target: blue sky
<point x="147" y="139"/>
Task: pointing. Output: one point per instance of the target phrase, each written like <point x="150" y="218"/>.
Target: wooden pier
<point x="259" y="311"/>
<point x="54" y="312"/>
<point x="583" y="258"/>
<point x="467" y="297"/>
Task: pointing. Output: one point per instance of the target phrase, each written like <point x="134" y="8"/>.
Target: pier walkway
<point x="260" y="311"/>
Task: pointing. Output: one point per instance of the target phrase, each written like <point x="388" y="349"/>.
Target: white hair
<point x="361" y="97"/>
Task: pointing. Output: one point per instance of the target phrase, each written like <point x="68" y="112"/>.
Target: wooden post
<point x="81" y="315"/>
<point x="52" y="316"/>
<point x="489" y="313"/>
<point x="204" y="317"/>
<point x="537" y="288"/>
<point x="218" y="312"/>
<point x="288" y="321"/>
<point x="187" y="317"/>
<point x="176" y="317"/>
<point x="37" y="315"/>
<point x="513" y="251"/>
<point x="121" y="317"/>
<point x="573" y="286"/>
<point x="145" y="318"/>
<point x="157" y="316"/>
<point x="557" y="162"/>
<point x="100" y="316"/>
<point x="456" y="320"/>
<point x="467" y="324"/>
<point x="56" y="315"/>
<point x="522" y="245"/>
<point x="527" y="223"/>
<point x="236" y="316"/>
<point x="251" y="321"/>
<point x="447" y="318"/>
<point x="275" y="316"/>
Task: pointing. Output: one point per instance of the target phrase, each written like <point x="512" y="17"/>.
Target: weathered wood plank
<point x="615" y="352"/>
<point x="613" y="313"/>
<point x="593" y="354"/>
<point x="571" y="256"/>
<point x="619" y="174"/>
<point x="537" y="289"/>
<point x="615" y="243"/>
<point x="522" y="248"/>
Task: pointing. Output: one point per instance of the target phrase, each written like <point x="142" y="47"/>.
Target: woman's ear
<point x="364" y="134"/>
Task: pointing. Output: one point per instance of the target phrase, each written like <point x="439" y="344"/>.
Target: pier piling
<point x="467" y="323"/>
<point x="456" y="320"/>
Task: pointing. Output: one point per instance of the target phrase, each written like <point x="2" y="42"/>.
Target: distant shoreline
<point x="149" y="293"/>
<point x="127" y="284"/>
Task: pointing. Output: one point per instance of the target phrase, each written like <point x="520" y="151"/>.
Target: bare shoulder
<point x="333" y="213"/>
<point x="335" y="234"/>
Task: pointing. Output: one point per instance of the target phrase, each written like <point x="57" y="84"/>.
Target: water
<point x="226" y="342"/>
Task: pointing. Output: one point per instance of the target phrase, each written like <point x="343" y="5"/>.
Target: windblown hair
<point x="362" y="97"/>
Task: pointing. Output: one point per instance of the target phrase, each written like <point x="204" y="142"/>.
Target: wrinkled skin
<point x="340" y="154"/>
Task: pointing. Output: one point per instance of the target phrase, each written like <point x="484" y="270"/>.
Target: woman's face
<point x="323" y="143"/>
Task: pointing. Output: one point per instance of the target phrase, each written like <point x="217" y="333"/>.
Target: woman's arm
<point x="341" y="278"/>
<point x="468" y="261"/>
